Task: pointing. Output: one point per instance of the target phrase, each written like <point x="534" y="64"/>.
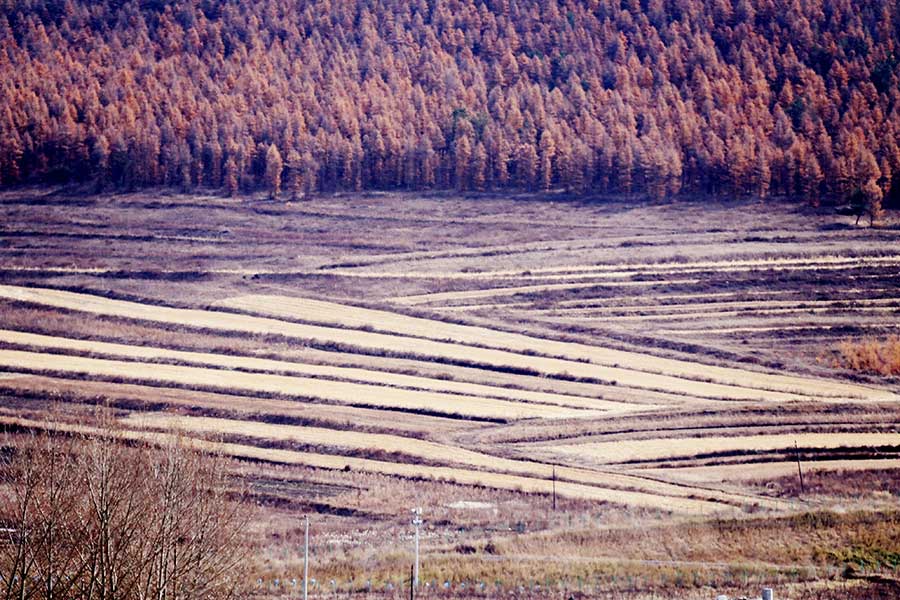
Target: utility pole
<point x="799" y="470"/>
<point x="417" y="521"/>
<point x="412" y="587"/>
<point x="306" y="560"/>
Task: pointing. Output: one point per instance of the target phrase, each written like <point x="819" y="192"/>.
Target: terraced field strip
<point x="877" y="311"/>
<point x="456" y="475"/>
<point x="668" y="448"/>
<point x="797" y="388"/>
<point x="431" y="451"/>
<point x="462" y="252"/>
<point x="819" y="325"/>
<point x="714" y="241"/>
<point x="635" y="303"/>
<point x="403" y="325"/>
<point x="574" y="272"/>
<point x="618" y="302"/>
<point x="74" y="391"/>
<point x="716" y="474"/>
<point x="353" y="394"/>
<point x="713" y="309"/>
<point x="366" y="376"/>
<point x="494" y="292"/>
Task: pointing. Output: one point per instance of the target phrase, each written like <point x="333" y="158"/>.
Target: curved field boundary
<point x="716" y="474"/>
<point x="820" y="325"/>
<point x="618" y="302"/>
<point x="495" y="292"/>
<point x="133" y="396"/>
<point x="353" y="316"/>
<point x="701" y="238"/>
<point x="723" y="308"/>
<point x="427" y="450"/>
<point x="450" y="474"/>
<point x="365" y="376"/>
<point x="354" y="394"/>
<point x="860" y="311"/>
<point x="669" y="448"/>
<point x="575" y="272"/>
<point x="794" y="387"/>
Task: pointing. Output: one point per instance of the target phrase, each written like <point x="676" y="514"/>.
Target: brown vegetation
<point x="755" y="97"/>
<point x="872" y="356"/>
<point x="89" y="518"/>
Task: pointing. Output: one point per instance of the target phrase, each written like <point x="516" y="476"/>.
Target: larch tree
<point x="231" y="177"/>
<point x="274" y="168"/>
<point x="548" y="151"/>
<point x="295" y="170"/>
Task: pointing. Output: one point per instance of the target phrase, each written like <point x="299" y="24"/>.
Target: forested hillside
<point x="761" y="97"/>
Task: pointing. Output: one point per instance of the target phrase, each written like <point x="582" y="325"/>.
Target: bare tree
<point x="90" y="517"/>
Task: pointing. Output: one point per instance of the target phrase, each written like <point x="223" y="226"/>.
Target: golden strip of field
<point x="431" y="451"/>
<point x="450" y="474"/>
<point x="404" y="325"/>
<point x="276" y="411"/>
<point x="366" y="376"/>
<point x="716" y="474"/>
<point x="667" y="448"/>
<point x="335" y="391"/>
<point x="796" y="388"/>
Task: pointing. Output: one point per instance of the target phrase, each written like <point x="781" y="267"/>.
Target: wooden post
<point x="799" y="470"/>
<point x="412" y="582"/>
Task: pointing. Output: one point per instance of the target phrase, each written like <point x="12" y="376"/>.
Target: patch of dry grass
<point x="871" y="355"/>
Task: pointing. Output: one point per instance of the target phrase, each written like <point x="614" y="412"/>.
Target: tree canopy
<point x="797" y="97"/>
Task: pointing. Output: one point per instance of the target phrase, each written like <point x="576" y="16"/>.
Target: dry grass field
<point x="587" y="398"/>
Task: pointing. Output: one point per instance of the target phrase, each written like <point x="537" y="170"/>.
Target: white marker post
<point x="417" y="521"/>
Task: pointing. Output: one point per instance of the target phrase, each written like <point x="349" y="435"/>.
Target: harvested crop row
<point x="667" y="448"/>
<point x="879" y="311"/>
<point x="144" y="397"/>
<point x="404" y="325"/>
<point x="436" y="298"/>
<point x="716" y="474"/>
<point x="799" y="388"/>
<point x="460" y="476"/>
<point x="820" y="324"/>
<point x="721" y="308"/>
<point x="366" y="376"/>
<point x="354" y="394"/>
<point x="430" y="451"/>
<point x="575" y="272"/>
